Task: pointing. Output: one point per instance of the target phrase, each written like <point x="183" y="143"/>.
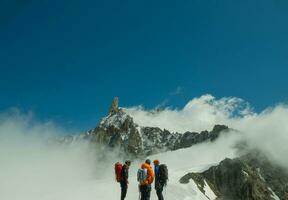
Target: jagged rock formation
<point x="250" y="177"/>
<point x="190" y="138"/>
<point x="119" y="130"/>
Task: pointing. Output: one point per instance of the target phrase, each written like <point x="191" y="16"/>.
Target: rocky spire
<point x="114" y="106"/>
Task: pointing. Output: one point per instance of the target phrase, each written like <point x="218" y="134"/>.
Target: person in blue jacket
<point x="158" y="183"/>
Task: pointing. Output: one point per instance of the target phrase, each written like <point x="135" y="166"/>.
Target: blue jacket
<point x="156" y="170"/>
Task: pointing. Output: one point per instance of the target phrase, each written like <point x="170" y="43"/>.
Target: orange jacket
<point x="150" y="174"/>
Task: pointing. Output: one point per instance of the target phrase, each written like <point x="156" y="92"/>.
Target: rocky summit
<point x="118" y="130"/>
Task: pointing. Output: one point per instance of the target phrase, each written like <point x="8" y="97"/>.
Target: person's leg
<point x="142" y="191"/>
<point x="159" y="191"/>
<point x="124" y="188"/>
<point x="148" y="192"/>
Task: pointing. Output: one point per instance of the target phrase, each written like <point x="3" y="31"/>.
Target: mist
<point x="266" y="131"/>
<point x="33" y="168"/>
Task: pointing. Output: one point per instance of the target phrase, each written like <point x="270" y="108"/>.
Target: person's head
<point x="148" y="161"/>
<point x="156" y="162"/>
<point x="128" y="162"/>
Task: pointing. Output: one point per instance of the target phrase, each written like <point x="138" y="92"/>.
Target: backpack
<point x="163" y="174"/>
<point x="141" y="175"/>
<point x="118" y="171"/>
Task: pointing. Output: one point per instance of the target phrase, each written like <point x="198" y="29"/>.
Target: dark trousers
<point x="159" y="189"/>
<point x="145" y="191"/>
<point x="159" y="193"/>
<point x="124" y="187"/>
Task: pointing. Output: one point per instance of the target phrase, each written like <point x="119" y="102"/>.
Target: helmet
<point x="156" y="162"/>
<point x="148" y="161"/>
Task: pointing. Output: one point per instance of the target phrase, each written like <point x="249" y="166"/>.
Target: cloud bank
<point x="197" y="115"/>
<point x="32" y="168"/>
<point x="266" y="131"/>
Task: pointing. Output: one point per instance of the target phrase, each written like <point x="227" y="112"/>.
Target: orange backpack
<point x="150" y="174"/>
<point x="118" y="171"/>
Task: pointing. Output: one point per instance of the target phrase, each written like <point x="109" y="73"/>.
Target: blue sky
<point x="66" y="60"/>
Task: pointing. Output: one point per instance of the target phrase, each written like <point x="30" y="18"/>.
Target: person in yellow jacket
<point x="145" y="186"/>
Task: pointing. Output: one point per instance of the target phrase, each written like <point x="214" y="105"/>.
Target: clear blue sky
<point x="65" y="60"/>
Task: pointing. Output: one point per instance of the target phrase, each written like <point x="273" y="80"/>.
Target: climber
<point x="121" y="173"/>
<point x="145" y="185"/>
<point x="161" y="178"/>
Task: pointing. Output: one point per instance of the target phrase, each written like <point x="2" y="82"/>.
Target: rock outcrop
<point x="118" y="130"/>
<point x="190" y="138"/>
<point x="114" y="108"/>
<point x="250" y="177"/>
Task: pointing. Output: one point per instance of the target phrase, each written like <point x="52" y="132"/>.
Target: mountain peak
<point x="114" y="108"/>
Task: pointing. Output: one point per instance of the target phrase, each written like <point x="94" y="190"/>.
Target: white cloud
<point x="197" y="115"/>
<point x="267" y="130"/>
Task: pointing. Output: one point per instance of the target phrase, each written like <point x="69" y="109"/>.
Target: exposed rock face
<point x="114" y="108"/>
<point x="190" y="138"/>
<point x="118" y="130"/>
<point x="156" y="140"/>
<point x="274" y="176"/>
<point x="250" y="177"/>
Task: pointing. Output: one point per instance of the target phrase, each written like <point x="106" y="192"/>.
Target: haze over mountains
<point x="82" y="165"/>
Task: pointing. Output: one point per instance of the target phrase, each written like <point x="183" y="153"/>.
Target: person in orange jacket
<point x="145" y="186"/>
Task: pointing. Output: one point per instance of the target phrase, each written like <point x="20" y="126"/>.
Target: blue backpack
<point x="141" y="175"/>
